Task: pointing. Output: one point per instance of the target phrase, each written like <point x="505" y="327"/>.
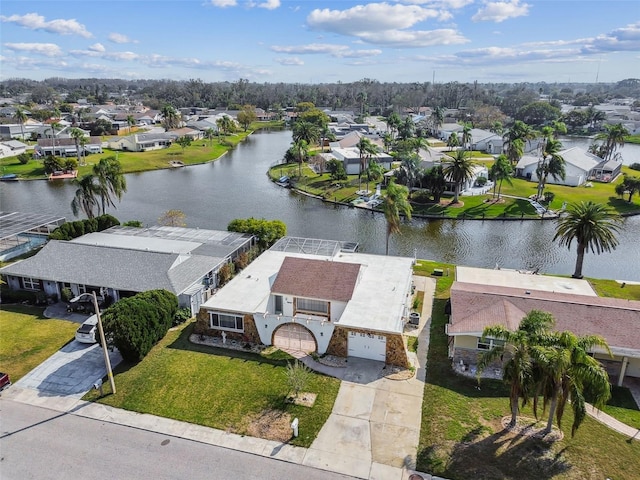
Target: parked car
<point x="86" y="333"/>
<point x="4" y="380"/>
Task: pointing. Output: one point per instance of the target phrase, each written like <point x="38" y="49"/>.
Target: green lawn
<point x="611" y="288"/>
<point x="200" y="151"/>
<point x="27" y="338"/>
<point x="461" y="436"/>
<point x="217" y="388"/>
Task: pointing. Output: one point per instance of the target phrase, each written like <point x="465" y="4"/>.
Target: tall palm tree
<point x="466" y="136"/>
<point x="374" y="172"/>
<point x="419" y="143"/>
<point x="515" y="138"/>
<point x="112" y="184"/>
<point x="393" y="123"/>
<point x="85" y="199"/>
<point x="130" y="122"/>
<point x="54" y="127"/>
<point x="458" y="171"/>
<point x="77" y="134"/>
<point x="500" y="170"/>
<point x="592" y="225"/>
<point x="394" y="205"/>
<point x="437" y="117"/>
<point x="209" y="134"/>
<point x="567" y="371"/>
<point x="411" y="171"/>
<point x="21" y="118"/>
<point x="406" y="129"/>
<point x="452" y="141"/>
<point x="612" y="138"/>
<point x="366" y="148"/>
<point x="170" y="117"/>
<point x="519" y="368"/>
<point x="307" y="131"/>
<point x="301" y="150"/>
<point x="550" y="163"/>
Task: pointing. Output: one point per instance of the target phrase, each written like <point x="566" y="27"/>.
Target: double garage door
<point x="368" y="345"/>
<point x="292" y="336"/>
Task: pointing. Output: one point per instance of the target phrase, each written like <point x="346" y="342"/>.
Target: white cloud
<point x="46" y="49"/>
<point x="453" y="4"/>
<point x="224" y="3"/>
<point x="385" y="24"/>
<point x="501" y="11"/>
<point x="338" y="51"/>
<point x="97" y="47"/>
<point x="120" y="38"/>
<point x="269" y="4"/>
<point x="33" y="21"/>
<point x="289" y="61"/>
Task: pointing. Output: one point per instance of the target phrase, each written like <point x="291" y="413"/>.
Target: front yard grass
<point x="218" y="388"/>
<point x="461" y="435"/>
<point x="27" y="338"/>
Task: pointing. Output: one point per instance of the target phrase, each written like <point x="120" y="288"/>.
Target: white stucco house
<point x="313" y="295"/>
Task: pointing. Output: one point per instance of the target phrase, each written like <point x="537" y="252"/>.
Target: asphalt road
<point x="38" y="443"/>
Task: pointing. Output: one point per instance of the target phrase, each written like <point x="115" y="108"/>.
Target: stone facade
<point x="470" y="357"/>
<point x="338" y="343"/>
<point x="250" y="333"/>
<point x="396" y="351"/>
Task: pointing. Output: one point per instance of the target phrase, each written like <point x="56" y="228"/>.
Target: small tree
<point x="184" y="142"/>
<point x="52" y="164"/>
<point x="298" y="377"/>
<point x="336" y="170"/>
<point x="24" y="158"/>
<point x="173" y="218"/>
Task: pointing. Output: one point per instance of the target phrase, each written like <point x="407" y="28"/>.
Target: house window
<point x="30" y="283"/>
<point x="278" y="304"/>
<point x="312" y="306"/>
<point x="489" y="343"/>
<point x="226" y="321"/>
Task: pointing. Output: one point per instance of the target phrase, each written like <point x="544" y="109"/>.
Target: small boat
<point x="9" y="177"/>
<point x="176" y="164"/>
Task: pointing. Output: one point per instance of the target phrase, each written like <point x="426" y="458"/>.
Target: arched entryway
<point x="293" y="336"/>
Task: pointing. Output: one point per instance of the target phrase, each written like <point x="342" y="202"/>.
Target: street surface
<point x="38" y="443"/>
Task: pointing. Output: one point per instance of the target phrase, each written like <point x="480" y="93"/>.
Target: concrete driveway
<point x="70" y="372"/>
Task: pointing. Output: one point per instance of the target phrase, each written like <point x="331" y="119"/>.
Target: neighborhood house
<point x="314" y="296"/>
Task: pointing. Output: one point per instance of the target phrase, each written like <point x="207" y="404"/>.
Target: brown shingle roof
<point x="474" y="307"/>
<point x="319" y="279"/>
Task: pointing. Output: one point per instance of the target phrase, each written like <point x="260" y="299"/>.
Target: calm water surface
<point x="237" y="186"/>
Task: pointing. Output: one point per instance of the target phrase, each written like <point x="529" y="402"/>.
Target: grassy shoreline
<point x="199" y="152"/>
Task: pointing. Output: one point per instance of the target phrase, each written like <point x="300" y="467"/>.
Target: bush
<point x="135" y="324"/>
<point x="481" y="181"/>
<point x="225" y="273"/>
<point x="635" y="166"/>
<point x="17" y="296"/>
<point x="52" y="164"/>
<point x="70" y="230"/>
<point x="70" y="164"/>
<point x="548" y="197"/>
<point x="66" y="294"/>
<point x="421" y="196"/>
<point x="181" y="316"/>
<point x="267" y="231"/>
<point x="24" y="158"/>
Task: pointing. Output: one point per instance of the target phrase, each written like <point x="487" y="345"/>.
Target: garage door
<point x="293" y="336"/>
<point x="368" y="345"/>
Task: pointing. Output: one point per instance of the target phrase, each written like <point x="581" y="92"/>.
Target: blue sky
<point x="309" y="41"/>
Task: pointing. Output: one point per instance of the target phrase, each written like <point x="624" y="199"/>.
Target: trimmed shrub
<point x="70" y="230"/>
<point x="181" y="316"/>
<point x="635" y="166"/>
<point x="135" y="324"/>
<point x="17" y="296"/>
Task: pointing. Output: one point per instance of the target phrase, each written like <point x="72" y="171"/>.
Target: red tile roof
<point x="318" y="279"/>
<point x="474" y="307"/>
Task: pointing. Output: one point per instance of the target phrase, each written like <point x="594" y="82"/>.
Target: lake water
<point x="236" y="186"/>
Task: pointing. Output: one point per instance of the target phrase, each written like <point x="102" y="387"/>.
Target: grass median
<point x="223" y="389"/>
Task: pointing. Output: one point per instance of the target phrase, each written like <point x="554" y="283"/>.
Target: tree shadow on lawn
<point x="496" y="456"/>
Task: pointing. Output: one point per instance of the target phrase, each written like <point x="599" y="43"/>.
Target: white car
<point x="86" y="333"/>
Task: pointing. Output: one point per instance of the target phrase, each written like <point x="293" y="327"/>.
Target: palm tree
<point x="519" y="368"/>
<point x="111" y="182"/>
<point x="593" y="226"/>
<point x="612" y="138"/>
<point x="395" y="204"/>
<point x="406" y="129"/>
<point x="306" y="131"/>
<point x="130" y="122"/>
<point x="453" y="141"/>
<point x="435" y="181"/>
<point x="301" y="150"/>
<point x="54" y="126"/>
<point x="170" y="117"/>
<point x="458" y="171"/>
<point x="437" y="117"/>
<point x="419" y="143"/>
<point x="209" y="134"/>
<point x="393" y="123"/>
<point x="515" y="138"/>
<point x="568" y="370"/>
<point x="374" y="172"/>
<point x="77" y="134"/>
<point x="466" y="136"/>
<point x="21" y="117"/>
<point x="366" y="148"/>
<point x="85" y="197"/>
<point x="551" y="163"/>
<point x="410" y="170"/>
<point x="500" y="170"/>
<point x="387" y="139"/>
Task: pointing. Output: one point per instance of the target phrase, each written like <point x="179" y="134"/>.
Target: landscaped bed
<point x="462" y="435"/>
<point x="219" y="388"/>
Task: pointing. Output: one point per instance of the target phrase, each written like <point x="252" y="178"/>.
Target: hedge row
<point x="71" y="230"/>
